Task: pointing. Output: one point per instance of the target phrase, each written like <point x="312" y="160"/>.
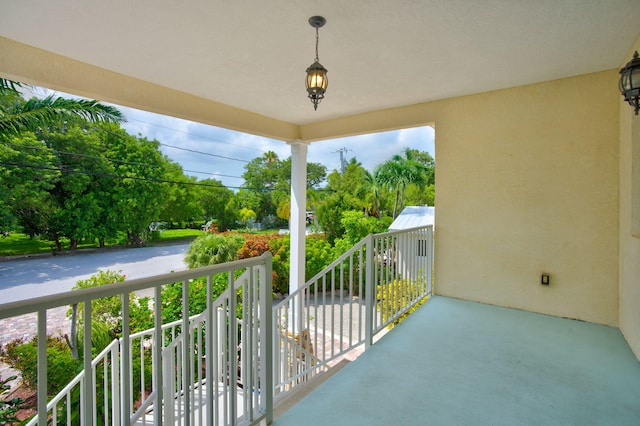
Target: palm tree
<point x="371" y="191"/>
<point x="17" y="116"/>
<point x="398" y="173"/>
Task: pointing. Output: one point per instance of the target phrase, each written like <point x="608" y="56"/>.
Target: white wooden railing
<point x="347" y="305"/>
<point x="225" y="370"/>
<point x="195" y="378"/>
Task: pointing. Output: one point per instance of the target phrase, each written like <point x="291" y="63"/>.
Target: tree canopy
<point x="73" y="174"/>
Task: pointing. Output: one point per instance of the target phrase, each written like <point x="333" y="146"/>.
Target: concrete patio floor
<point x="455" y="362"/>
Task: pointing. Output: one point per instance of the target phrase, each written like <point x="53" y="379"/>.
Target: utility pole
<point x="343" y="160"/>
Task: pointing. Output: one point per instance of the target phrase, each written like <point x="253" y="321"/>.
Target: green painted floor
<point x="456" y="362"/>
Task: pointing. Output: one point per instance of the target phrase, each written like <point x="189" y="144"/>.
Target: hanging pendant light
<point x="316" y="81"/>
<point x="630" y="82"/>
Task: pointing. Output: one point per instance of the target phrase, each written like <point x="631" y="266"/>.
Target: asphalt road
<point x="40" y="276"/>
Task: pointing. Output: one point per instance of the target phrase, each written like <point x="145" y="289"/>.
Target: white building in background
<point x="413" y="247"/>
<point x="413" y="217"/>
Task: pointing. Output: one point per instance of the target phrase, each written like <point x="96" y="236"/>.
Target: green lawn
<point x="179" y="234"/>
<point x="21" y="244"/>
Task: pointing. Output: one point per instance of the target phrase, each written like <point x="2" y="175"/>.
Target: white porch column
<point x="297" y="229"/>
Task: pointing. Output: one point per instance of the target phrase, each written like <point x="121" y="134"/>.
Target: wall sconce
<point x="630" y="82"/>
<point x="316" y="74"/>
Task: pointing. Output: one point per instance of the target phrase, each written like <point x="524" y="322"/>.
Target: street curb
<point x="91" y="250"/>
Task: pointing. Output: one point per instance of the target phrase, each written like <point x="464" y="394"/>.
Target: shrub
<point x="62" y="367"/>
<point x="172" y="297"/>
<point x="395" y="296"/>
<point x="108" y="308"/>
<point x="211" y="249"/>
<point x="280" y="250"/>
<point x="319" y="254"/>
<point x="256" y="245"/>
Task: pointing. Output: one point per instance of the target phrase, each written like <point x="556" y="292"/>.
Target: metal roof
<point x="413" y="217"/>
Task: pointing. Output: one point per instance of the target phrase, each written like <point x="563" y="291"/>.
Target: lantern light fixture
<point x="316" y="81"/>
<point x="629" y="83"/>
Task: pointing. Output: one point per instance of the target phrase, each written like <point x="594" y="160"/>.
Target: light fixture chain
<point x="317" y="39"/>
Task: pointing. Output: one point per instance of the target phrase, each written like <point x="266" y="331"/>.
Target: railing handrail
<point x="401" y="231"/>
<point x="257" y="297"/>
<point x="21" y="307"/>
<point x="332" y="265"/>
<point x="349" y="302"/>
<point x="345" y="256"/>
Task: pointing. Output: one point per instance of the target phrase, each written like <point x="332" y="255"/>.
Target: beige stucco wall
<point x="629" y="244"/>
<point x="528" y="183"/>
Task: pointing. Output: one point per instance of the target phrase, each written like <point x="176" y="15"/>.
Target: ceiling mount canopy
<point x="316" y="81"/>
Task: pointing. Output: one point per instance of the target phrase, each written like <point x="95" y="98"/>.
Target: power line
<point x="75" y="154"/>
<point x="203" y="153"/>
<point x="175" y="130"/>
<point x="114" y="176"/>
<point x="214" y="174"/>
<point x="173" y="146"/>
<point x="144" y="179"/>
<point x="197" y="135"/>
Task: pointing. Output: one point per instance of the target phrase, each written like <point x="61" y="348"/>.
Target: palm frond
<point x="38" y="113"/>
<point x="10" y="86"/>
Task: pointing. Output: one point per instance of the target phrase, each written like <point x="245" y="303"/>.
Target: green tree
<point x="330" y="211"/>
<point x="247" y="216"/>
<point x="181" y="202"/>
<point x="28" y="173"/>
<point x="398" y="173"/>
<point x="414" y="195"/>
<point x="429" y="162"/>
<point x="316" y="174"/>
<point x="354" y="176"/>
<point x="75" y="205"/>
<point x="371" y="191"/>
<point x="267" y="186"/>
<point x="214" y="198"/>
<point x="261" y="176"/>
<point x="357" y="226"/>
<point x="137" y="193"/>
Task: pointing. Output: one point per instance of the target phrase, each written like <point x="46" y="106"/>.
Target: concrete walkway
<point x="455" y="362"/>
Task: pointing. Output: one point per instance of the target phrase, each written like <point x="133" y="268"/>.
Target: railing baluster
<point x="186" y="365"/>
<point x="105" y="390"/>
<point x="42" y="366"/>
<point x="157" y="345"/>
<point x="369" y="292"/>
<point x="115" y="385"/>
<point x="126" y="363"/>
<point x="210" y="375"/>
<point x="89" y="389"/>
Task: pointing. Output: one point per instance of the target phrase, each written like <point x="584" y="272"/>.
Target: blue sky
<point x="370" y="150"/>
<point x="213" y="152"/>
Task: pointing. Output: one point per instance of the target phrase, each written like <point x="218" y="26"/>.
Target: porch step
<point x="282" y="404"/>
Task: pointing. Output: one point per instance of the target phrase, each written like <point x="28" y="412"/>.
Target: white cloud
<point x="370" y="150"/>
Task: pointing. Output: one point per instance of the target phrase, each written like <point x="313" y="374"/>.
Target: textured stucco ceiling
<point x="380" y="53"/>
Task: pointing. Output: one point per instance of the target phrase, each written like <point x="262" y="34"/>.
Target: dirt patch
<point x="28" y="408"/>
